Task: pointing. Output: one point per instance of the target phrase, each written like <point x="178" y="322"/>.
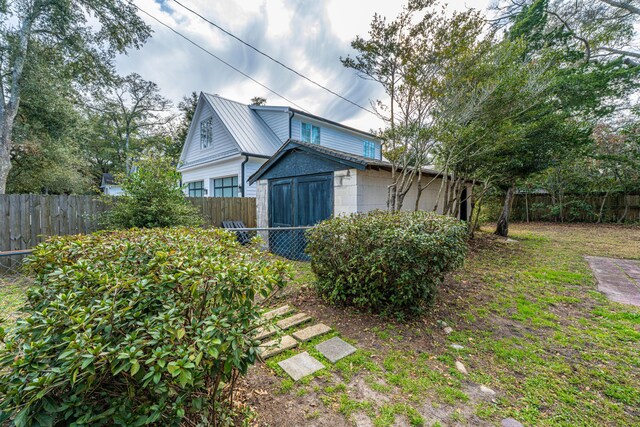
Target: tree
<point x="604" y="30"/>
<point x="128" y="107"/>
<point x="258" y="100"/>
<point x="187" y="109"/>
<point x="87" y="33"/>
<point x="580" y="90"/>
<point x="152" y="198"/>
<point x="408" y="57"/>
<point x="48" y="131"/>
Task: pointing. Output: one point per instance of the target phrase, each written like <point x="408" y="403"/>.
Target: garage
<point x="303" y="184"/>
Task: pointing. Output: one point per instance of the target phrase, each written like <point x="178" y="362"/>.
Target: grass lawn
<point x="533" y="327"/>
<point x="12" y="294"/>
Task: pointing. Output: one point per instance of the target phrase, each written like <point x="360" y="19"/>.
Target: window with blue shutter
<point x="310" y="133"/>
<point x="369" y="149"/>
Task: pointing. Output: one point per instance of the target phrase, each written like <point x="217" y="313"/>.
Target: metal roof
<point x="250" y="132"/>
<point x="313" y="116"/>
<point x="351" y="160"/>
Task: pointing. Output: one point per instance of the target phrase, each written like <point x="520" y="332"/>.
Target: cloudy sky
<point x="308" y="35"/>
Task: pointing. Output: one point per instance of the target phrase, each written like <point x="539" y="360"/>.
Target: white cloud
<point x="309" y="36"/>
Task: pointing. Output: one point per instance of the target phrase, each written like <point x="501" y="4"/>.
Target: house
<point x="303" y="183"/>
<point x="229" y="141"/>
<point x="109" y="186"/>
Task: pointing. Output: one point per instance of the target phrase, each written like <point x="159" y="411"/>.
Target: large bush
<point x="385" y="262"/>
<point x="152" y="198"/>
<point x="135" y="327"/>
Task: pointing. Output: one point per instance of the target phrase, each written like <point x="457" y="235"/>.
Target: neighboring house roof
<point x="107" y="179"/>
<point x="312" y="116"/>
<point x="348" y="159"/>
<point x="250" y="132"/>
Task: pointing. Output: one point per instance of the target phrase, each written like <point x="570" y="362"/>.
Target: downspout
<point x="244" y="184"/>
<point x="291" y="114"/>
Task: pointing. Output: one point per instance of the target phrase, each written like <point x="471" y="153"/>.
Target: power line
<point x="215" y="56"/>
<point x="249" y="45"/>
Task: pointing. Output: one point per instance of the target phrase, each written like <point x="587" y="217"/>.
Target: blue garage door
<point x="297" y="202"/>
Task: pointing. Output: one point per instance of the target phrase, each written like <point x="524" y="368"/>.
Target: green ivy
<point x="385" y="262"/>
<point x="135" y="327"/>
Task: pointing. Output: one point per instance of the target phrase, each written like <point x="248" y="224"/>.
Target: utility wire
<point x="215" y="56"/>
<point x="249" y="45"/>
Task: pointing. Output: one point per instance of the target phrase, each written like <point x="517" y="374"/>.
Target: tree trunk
<point x="502" y="227"/>
<point x="9" y="111"/>
<point x="601" y="211"/>
<point x="420" y="189"/>
<point x="626" y="208"/>
<point x="5" y="161"/>
<point x="526" y="206"/>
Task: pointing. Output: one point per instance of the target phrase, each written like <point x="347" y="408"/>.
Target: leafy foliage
<point x="152" y="198"/>
<point x="386" y="262"/>
<point x="135" y="327"/>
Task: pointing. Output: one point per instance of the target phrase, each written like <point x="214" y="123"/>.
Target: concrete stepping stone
<point x="460" y="367"/>
<point x="274" y="347"/>
<point x="266" y="331"/>
<point x="510" y="422"/>
<point x="335" y="349"/>
<point x="301" y="365"/>
<point x="311" y="332"/>
<point x="280" y="311"/>
<point x="292" y="321"/>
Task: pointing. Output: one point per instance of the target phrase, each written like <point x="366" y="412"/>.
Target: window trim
<point x="311" y="133"/>
<point x="209" y="122"/>
<point x="222" y="188"/>
<point x="202" y="189"/>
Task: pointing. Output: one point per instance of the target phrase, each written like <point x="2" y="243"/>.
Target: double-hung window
<point x="225" y="187"/>
<point x="206" y="133"/>
<point x="369" y="149"/>
<point x="196" y="189"/>
<point x="310" y="133"/>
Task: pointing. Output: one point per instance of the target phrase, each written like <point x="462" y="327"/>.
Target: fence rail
<point x="28" y="219"/>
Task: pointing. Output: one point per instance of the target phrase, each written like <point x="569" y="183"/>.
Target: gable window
<point x="206" y="133"/>
<point x="196" y="189"/>
<point x="225" y="187"/>
<point x="310" y="133"/>
<point x="369" y="149"/>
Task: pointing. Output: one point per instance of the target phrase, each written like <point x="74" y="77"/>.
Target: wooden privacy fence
<point x="214" y="210"/>
<point x="576" y="208"/>
<point x="27" y="219"/>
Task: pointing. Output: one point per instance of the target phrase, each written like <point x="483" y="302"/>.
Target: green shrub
<point x="385" y="262"/>
<point x="135" y="327"/>
<point x="152" y="198"/>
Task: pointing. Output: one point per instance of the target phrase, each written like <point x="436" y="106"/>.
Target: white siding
<point x="278" y="121"/>
<point x="113" y="190"/>
<point x="221" y="169"/>
<point x="334" y="137"/>
<point x="372" y="192"/>
<point x="250" y="167"/>
<point x="223" y="144"/>
<point x="212" y="170"/>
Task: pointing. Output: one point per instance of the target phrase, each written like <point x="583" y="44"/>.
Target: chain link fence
<point x="287" y="242"/>
<point x="11" y="262"/>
